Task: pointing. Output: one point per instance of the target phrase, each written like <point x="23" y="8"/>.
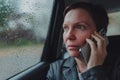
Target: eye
<point x="81" y="27"/>
<point x="65" y="28"/>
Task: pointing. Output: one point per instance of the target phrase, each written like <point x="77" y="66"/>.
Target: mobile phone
<point x="85" y="50"/>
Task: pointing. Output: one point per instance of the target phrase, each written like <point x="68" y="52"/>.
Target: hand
<point x="98" y="50"/>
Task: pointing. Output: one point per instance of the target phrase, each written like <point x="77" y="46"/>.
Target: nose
<point x="70" y="35"/>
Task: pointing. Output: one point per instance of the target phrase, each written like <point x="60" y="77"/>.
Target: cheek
<point x="82" y="37"/>
<point x="81" y="40"/>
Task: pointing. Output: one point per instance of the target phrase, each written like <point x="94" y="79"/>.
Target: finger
<point x="104" y="38"/>
<point x="99" y="35"/>
<point x="101" y="46"/>
<point x="92" y="44"/>
<point x="100" y="42"/>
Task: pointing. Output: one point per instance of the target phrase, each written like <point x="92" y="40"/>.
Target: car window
<point x="23" y="30"/>
<point x="114" y="26"/>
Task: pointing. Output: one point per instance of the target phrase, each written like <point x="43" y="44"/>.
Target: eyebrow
<point x="83" y="23"/>
<point x="78" y="22"/>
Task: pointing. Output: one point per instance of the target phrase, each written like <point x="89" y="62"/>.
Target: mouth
<point x="72" y="47"/>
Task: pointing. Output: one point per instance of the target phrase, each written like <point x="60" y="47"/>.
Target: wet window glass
<point x="23" y="30"/>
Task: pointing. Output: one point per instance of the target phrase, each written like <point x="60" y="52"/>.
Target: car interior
<point x="54" y="48"/>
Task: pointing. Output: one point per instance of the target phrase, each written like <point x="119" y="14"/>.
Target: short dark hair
<point x="97" y="12"/>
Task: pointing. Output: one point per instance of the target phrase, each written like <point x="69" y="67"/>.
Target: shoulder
<point x="58" y="63"/>
<point x="62" y="63"/>
<point x="55" y="69"/>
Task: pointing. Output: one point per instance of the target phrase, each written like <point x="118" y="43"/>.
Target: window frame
<point x="53" y="42"/>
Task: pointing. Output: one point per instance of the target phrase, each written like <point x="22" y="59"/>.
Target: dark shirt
<point x="66" y="70"/>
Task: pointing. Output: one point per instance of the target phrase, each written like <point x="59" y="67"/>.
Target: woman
<point x="82" y="23"/>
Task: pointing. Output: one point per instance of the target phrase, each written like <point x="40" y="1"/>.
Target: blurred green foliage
<point x="22" y="41"/>
<point x="19" y="43"/>
<point x="5" y="11"/>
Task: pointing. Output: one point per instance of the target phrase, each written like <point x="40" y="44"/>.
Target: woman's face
<point x="78" y="25"/>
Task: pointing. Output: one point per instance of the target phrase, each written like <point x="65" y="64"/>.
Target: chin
<point x="73" y="54"/>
